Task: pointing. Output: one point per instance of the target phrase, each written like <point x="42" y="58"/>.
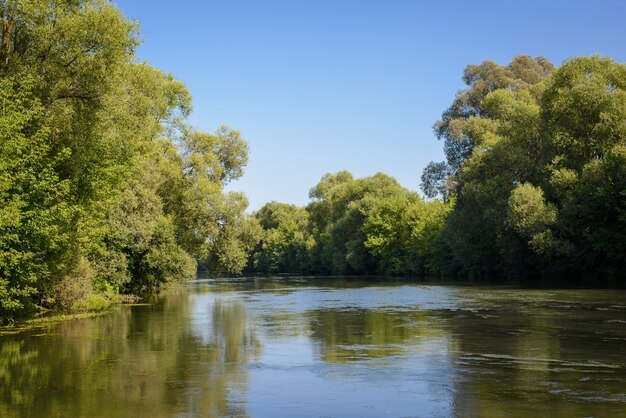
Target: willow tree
<point x="441" y="178"/>
<point x="105" y="187"/>
<point x="542" y="193"/>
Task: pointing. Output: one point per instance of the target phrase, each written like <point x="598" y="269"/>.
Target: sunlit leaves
<point x="524" y="192"/>
<point x="101" y="177"/>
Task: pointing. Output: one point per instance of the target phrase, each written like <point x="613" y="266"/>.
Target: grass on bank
<point x="91" y="305"/>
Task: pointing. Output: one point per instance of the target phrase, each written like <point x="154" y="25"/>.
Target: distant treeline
<point x="533" y="189"/>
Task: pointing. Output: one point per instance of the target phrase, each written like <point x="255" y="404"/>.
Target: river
<point x="324" y="347"/>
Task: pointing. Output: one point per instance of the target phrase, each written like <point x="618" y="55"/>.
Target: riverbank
<point x="51" y="317"/>
<point x="18" y="327"/>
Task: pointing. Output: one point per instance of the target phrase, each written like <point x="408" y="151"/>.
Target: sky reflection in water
<point x="328" y="347"/>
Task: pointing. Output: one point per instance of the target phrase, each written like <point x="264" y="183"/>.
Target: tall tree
<point x="539" y="192"/>
<point x="442" y="178"/>
<point x="105" y="186"/>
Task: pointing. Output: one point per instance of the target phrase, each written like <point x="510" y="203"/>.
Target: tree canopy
<point x="540" y="192"/>
<point x="371" y="225"/>
<point x="532" y="189"/>
<point x="104" y="187"/>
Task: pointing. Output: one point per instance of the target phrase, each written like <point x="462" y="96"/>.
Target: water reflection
<point x="139" y="362"/>
<point x="361" y="334"/>
<point x="331" y="347"/>
<point x="556" y="353"/>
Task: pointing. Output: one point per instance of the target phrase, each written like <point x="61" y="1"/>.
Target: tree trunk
<point x="7" y="31"/>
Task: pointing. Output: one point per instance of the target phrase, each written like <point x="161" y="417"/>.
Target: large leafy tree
<point x="540" y="194"/>
<point x="459" y="142"/>
<point x="35" y="218"/>
<point x="105" y="187"/>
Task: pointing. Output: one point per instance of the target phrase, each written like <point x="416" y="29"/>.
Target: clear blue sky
<point x="321" y="86"/>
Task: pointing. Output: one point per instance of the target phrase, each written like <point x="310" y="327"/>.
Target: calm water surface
<point x="327" y="347"/>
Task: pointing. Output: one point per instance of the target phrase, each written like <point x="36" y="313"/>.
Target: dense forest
<point x="533" y="189"/>
<point x="105" y="188"/>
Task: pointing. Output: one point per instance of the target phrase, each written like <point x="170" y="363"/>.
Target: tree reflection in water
<point x="139" y="362"/>
<point x="336" y="347"/>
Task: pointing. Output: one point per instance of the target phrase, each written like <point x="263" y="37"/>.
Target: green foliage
<point x="103" y="185"/>
<point x="541" y="192"/>
<point x="352" y="226"/>
<point x="237" y="235"/>
<point x="285" y="242"/>
<point x="530" y="216"/>
<point x="35" y="217"/>
<point x="533" y="188"/>
<point x="481" y="80"/>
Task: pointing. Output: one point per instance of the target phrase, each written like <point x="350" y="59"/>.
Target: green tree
<point x="35" y="218"/>
<point x="104" y="185"/>
<point x="337" y="219"/>
<point x="459" y="142"/>
<point x="286" y="241"/>
<point x="539" y="195"/>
